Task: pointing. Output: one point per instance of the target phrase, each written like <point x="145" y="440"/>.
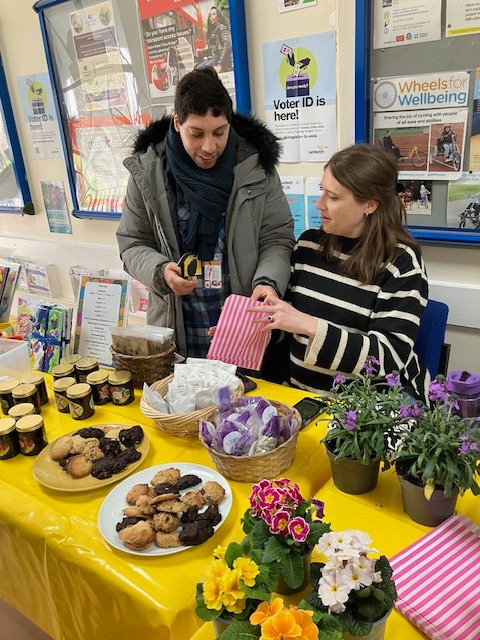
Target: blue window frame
<point x="14" y="191"/>
<point x="114" y="65"/>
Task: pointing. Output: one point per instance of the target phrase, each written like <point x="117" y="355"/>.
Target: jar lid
<point x="71" y="359"/>
<point x="464" y="382"/>
<point x="6" y="425"/>
<point x="86" y="363"/>
<point x="62" y="369"/>
<point x="22" y="409"/>
<point x="24" y="390"/>
<point x="29" y="423"/>
<point x="63" y="383"/>
<point x="119" y="377"/>
<point x="8" y="385"/>
<point x="78" y="390"/>
<point x="97" y="377"/>
<point x="33" y="378"/>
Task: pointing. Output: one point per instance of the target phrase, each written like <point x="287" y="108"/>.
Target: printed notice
<point x="463" y="17"/>
<point x="401" y="22"/>
<point x="294" y="191"/>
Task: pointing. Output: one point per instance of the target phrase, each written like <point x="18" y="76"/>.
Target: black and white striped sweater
<point x="356" y="320"/>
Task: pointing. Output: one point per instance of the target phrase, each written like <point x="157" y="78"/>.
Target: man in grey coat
<point x="203" y="184"/>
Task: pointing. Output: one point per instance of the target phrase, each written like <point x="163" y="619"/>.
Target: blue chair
<point x="430" y="343"/>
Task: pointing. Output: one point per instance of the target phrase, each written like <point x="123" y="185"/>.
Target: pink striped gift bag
<point x="438" y="581"/>
<point x="237" y="339"/>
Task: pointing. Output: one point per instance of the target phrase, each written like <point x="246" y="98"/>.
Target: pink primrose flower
<point x="299" y="529"/>
<point x="280" y="523"/>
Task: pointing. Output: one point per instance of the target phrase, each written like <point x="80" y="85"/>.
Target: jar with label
<point x="6" y="398"/>
<point x="80" y="401"/>
<point x="27" y="393"/>
<point x="31" y="435"/>
<point x="38" y="380"/>
<point x="121" y="387"/>
<point x="9" y="445"/>
<point x="60" y="387"/>
<point x="85" y="366"/>
<point x="20" y="410"/>
<point x="98" y="380"/>
<point x="63" y="371"/>
<point x="73" y="358"/>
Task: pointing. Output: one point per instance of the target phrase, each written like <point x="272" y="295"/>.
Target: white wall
<point x="22" y="51"/>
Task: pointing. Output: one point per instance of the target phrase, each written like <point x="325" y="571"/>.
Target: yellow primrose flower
<point x="216" y="569"/>
<point x="219" y="552"/>
<point x="231" y="588"/>
<point x="213" y="594"/>
<point x="247" y="569"/>
<point x="238" y="606"/>
<point x="281" y="626"/>
<point x="265" y="610"/>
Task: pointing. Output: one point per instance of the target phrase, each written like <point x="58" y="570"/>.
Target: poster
<point x="10" y="196"/>
<point x="300" y="96"/>
<point x="313" y="189"/>
<point x="99" y="147"/>
<point x="102" y="303"/>
<point x="416" y="195"/>
<point x="291" y="5"/>
<point x="401" y="22"/>
<point x="463" y="17"/>
<point x="39" y="115"/>
<point x="56" y="207"/>
<point x="295" y="193"/>
<point x="181" y="35"/>
<point x="99" y="58"/>
<point x="475" y="131"/>
<point x="463" y="207"/>
<point x="422" y="121"/>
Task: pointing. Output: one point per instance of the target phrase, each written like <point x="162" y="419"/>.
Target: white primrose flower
<point x="332" y="589"/>
<point x="333" y="562"/>
<point x="356" y="577"/>
<point x="377" y="576"/>
<point x="325" y="545"/>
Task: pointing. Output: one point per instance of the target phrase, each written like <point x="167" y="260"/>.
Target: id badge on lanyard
<point x="212" y="272"/>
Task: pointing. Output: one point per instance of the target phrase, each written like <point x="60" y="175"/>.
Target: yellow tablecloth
<point x="56" y="568"/>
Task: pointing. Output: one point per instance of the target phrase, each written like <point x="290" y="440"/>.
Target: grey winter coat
<point x="259" y="224"/>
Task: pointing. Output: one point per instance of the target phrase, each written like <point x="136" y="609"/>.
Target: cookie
<point x="187" y="481"/>
<point x="135" y="492"/>
<point x="193" y="498"/>
<point x="167" y="475"/>
<point x="194" y="533"/>
<point x="164" y="497"/>
<point x="171" y="506"/>
<point x="167" y="540"/>
<point x="61" y="448"/>
<point x="137" y="537"/>
<point x="79" y="466"/>
<point x="213" y="492"/>
<point x="166" y="522"/>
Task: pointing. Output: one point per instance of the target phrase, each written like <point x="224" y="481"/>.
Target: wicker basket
<point x="263" y="466"/>
<point x="184" y="425"/>
<point x="147" y="369"/>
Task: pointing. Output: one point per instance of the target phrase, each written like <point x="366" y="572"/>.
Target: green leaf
<point x="233" y="551"/>
<point x="274" y="550"/>
<point x="207" y="614"/>
<point x="370" y="608"/>
<point x="291" y="567"/>
<point x="360" y="627"/>
<point x="240" y="630"/>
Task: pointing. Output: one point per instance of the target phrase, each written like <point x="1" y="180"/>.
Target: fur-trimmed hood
<point x="258" y="138"/>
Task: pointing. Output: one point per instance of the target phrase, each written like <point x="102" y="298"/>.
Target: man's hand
<point x="174" y="280"/>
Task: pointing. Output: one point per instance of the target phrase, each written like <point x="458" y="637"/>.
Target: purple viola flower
<point x="393" y="380"/>
<point x="320" y="508"/>
<point x="436" y="392"/>
<point x="350" y="420"/>
<point x="410" y="410"/>
<point x="464" y="449"/>
<point x="339" y="379"/>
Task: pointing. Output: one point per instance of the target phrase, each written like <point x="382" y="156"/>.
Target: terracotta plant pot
<point x="283" y="588"/>
<point x="428" y="512"/>
<point x="377" y="632"/>
<point x="351" y="476"/>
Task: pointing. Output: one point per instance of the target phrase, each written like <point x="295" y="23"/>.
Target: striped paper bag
<point x="237" y="339"/>
<point x="438" y="581"/>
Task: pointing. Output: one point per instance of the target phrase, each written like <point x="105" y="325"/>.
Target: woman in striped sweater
<point x="358" y="285"/>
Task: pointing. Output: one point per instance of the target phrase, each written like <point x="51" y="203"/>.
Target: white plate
<point x="111" y="511"/>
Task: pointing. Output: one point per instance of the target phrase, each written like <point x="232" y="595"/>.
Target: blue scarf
<point x="206" y="190"/>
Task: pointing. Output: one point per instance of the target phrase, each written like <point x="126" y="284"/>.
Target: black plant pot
<point x="428" y="512"/>
<point x="351" y="476"/>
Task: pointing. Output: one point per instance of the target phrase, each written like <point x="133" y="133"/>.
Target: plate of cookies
<point x="91" y="457"/>
<point x="165" y="509"/>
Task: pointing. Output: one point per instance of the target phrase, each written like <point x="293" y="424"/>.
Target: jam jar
<point x="73" y="358"/>
<point x="98" y="380"/>
<point x="27" y="393"/>
<point x="60" y="387"/>
<point x="9" y="445"/>
<point x="121" y="387"/>
<point x="63" y="371"/>
<point x="19" y="410"/>
<point x="6" y="398"/>
<point x="31" y="435"/>
<point x="38" y="380"/>
<point x="80" y="401"/>
<point x="85" y="366"/>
